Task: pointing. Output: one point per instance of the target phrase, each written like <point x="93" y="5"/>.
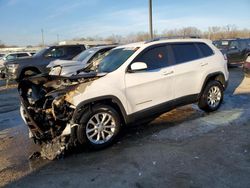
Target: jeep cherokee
<point x="132" y="83"/>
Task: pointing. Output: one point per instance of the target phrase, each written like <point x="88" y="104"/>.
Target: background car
<point x="21" y="68"/>
<point x="1" y="55"/>
<point x="236" y="50"/>
<point x="9" y="57"/>
<point x="246" y="67"/>
<point x="83" y="60"/>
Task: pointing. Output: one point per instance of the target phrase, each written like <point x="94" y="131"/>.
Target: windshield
<point x="41" y="52"/>
<point x="115" y="59"/>
<point x="84" y="55"/>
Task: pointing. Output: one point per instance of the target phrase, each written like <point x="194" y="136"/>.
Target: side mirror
<point x="138" y="66"/>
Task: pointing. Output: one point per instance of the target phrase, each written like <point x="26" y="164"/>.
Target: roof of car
<point x="103" y="47"/>
<point x="149" y="43"/>
<point x="17" y="53"/>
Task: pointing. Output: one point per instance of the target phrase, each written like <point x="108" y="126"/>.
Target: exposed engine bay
<point x="46" y="110"/>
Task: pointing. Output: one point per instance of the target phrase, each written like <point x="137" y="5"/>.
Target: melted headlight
<point x="56" y="71"/>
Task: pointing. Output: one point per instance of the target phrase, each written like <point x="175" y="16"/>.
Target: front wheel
<point x="211" y="97"/>
<point x="99" y="127"/>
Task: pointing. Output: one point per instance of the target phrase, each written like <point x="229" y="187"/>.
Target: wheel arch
<point x="32" y="68"/>
<point x="218" y="76"/>
<point x="107" y="100"/>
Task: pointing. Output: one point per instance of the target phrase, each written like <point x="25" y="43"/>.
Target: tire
<point x="212" y="96"/>
<point x="89" y="129"/>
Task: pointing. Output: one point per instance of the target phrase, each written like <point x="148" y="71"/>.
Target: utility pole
<point x="57" y="38"/>
<point x="42" y="37"/>
<point x="150" y="20"/>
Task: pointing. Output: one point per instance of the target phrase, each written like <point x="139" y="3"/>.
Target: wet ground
<point x="183" y="148"/>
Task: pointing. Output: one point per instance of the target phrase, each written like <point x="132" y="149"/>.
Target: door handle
<point x="168" y="73"/>
<point x="204" y="64"/>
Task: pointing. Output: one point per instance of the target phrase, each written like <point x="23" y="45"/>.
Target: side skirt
<point x="161" y="108"/>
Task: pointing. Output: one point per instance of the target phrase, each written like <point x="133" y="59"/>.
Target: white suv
<point x="133" y="82"/>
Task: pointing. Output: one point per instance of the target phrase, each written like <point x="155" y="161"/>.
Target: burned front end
<point x="47" y="113"/>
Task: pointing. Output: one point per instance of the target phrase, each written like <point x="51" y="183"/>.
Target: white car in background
<point x="87" y="59"/>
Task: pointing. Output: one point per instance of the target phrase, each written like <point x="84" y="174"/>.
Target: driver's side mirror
<point x="138" y="66"/>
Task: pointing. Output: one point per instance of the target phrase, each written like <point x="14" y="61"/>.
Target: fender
<point x="100" y="99"/>
<point x="211" y="76"/>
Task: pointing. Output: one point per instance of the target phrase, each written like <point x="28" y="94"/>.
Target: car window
<point x="155" y="58"/>
<point x="184" y="52"/>
<point x="205" y="49"/>
<point x="243" y="44"/>
<point x="115" y="59"/>
<point x="74" y="50"/>
<point x="56" y="52"/>
<point x="234" y="44"/>
<point x="11" y="57"/>
<point x="248" y="43"/>
<point x="22" y="55"/>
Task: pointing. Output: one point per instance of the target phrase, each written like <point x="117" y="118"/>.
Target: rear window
<point x="184" y="52"/>
<point x="205" y="49"/>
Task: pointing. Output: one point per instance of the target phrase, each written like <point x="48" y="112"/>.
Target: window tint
<point x="243" y="44"/>
<point x="11" y="57"/>
<point x="155" y="58"/>
<point x="185" y="52"/>
<point x="56" y="53"/>
<point x="74" y="50"/>
<point x="115" y="59"/>
<point x="22" y="55"/>
<point x="234" y="44"/>
<point x="205" y="50"/>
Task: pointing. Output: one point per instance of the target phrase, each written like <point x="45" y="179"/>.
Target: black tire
<point x="84" y="124"/>
<point x="204" y="102"/>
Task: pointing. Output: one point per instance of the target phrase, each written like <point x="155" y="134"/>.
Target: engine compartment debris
<point x="47" y="111"/>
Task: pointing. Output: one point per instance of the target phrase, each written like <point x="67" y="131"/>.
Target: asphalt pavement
<point x="182" y="148"/>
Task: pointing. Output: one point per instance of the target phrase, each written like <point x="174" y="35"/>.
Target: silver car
<point x="88" y="58"/>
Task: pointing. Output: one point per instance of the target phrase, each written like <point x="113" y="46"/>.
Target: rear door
<point x="154" y="86"/>
<point x="188" y="69"/>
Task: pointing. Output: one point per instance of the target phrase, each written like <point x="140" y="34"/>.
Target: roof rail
<point x="173" y="37"/>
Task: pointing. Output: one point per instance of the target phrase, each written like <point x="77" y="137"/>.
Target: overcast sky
<point x="21" y="20"/>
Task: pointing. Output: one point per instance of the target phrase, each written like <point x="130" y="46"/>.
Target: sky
<point x="21" y="21"/>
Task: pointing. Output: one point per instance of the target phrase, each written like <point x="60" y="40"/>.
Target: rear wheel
<point x="211" y="97"/>
<point x="99" y="127"/>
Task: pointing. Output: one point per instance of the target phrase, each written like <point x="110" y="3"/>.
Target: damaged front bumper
<point x="48" y="113"/>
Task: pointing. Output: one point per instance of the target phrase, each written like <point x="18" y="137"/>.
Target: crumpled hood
<point x="64" y="63"/>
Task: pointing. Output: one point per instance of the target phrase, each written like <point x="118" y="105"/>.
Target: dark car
<point x="236" y="50"/>
<point x="20" y="68"/>
<point x="246" y="67"/>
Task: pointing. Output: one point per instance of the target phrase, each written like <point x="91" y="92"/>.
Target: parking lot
<point x="182" y="148"/>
